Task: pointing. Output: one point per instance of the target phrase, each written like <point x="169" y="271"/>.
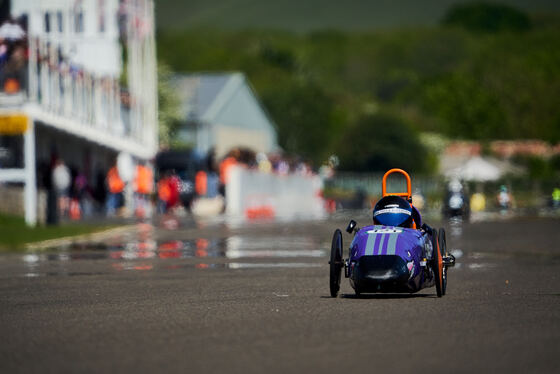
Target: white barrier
<point x="254" y="195"/>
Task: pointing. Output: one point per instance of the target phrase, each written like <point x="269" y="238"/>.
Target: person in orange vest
<point x="143" y="187"/>
<point x="225" y="168"/>
<point x="201" y="183"/>
<point x="115" y="186"/>
<point x="164" y="193"/>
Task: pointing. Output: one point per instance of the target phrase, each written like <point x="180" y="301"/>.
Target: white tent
<point x="475" y="169"/>
<point x="11" y="31"/>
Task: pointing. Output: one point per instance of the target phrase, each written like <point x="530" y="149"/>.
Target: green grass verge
<point x="15" y="234"/>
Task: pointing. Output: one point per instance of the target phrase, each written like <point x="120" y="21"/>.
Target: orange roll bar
<point x="407" y="194"/>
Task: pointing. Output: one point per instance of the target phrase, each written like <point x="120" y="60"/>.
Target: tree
<point x="169" y="114"/>
<point x="487" y="17"/>
<point x="444" y="79"/>
<point x="465" y="108"/>
<point x="379" y="142"/>
<point x="304" y="115"/>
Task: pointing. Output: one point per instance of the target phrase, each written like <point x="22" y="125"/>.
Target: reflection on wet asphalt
<point x="167" y="247"/>
<point x="147" y="247"/>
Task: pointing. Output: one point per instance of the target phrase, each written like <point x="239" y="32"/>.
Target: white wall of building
<point x="86" y="30"/>
<point x="76" y="63"/>
<point x="72" y="84"/>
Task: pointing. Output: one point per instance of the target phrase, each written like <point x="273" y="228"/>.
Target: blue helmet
<point x="392" y="211"/>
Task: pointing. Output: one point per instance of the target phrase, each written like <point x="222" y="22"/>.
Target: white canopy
<point x="475" y="169"/>
<point x="11" y="31"/>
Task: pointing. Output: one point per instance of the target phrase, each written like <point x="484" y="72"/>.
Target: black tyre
<point x="357" y="291"/>
<point x="443" y="247"/>
<point x="437" y="263"/>
<point x="336" y="263"/>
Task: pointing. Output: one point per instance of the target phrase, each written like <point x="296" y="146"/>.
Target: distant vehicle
<point x="456" y="202"/>
<point x="397" y="254"/>
<point x="185" y="165"/>
<point x="504" y="199"/>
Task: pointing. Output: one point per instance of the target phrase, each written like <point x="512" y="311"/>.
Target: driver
<point x="393" y="211"/>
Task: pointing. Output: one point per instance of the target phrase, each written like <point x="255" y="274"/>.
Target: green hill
<point x="464" y="79"/>
<point x="306" y="15"/>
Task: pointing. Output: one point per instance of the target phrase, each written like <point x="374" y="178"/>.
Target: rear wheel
<point x="336" y="263"/>
<point x="437" y="263"/>
<point x="443" y="247"/>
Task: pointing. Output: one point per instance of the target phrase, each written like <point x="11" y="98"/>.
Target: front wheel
<point x="443" y="246"/>
<point x="437" y="263"/>
<point x="336" y="263"/>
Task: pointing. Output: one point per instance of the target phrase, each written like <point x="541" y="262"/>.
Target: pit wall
<point x="256" y="195"/>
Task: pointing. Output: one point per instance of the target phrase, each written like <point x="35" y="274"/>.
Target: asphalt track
<point x="255" y="299"/>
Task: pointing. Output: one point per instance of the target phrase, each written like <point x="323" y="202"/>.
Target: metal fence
<point x="371" y="183"/>
<point x="528" y="192"/>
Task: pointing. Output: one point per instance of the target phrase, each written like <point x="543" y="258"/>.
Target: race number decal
<point x="394" y="230"/>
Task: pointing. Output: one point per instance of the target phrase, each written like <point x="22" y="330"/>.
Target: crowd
<point x="275" y="163"/>
<point x="57" y="82"/>
<point x="128" y="189"/>
<point x="13" y="57"/>
<point x="175" y="188"/>
<point x="70" y="195"/>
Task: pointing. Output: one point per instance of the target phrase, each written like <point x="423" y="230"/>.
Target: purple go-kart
<point x="397" y="254"/>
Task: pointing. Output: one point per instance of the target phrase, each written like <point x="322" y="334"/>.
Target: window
<point x="47" y="22"/>
<point x="101" y="14"/>
<point x="79" y="21"/>
<point x="60" y="21"/>
<point x="101" y="23"/>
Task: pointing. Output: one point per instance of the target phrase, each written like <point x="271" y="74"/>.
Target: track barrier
<point x="256" y="195"/>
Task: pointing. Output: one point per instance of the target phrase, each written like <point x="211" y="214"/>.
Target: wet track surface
<point x="255" y="298"/>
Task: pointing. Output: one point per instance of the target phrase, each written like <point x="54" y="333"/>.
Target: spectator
<point x="46" y="179"/>
<point x="99" y="191"/>
<point x="143" y="187"/>
<point x="116" y="187"/>
<point x="174" y="183"/>
<point x="3" y="52"/>
<point x="263" y="163"/>
<point x="212" y="184"/>
<point x="61" y="181"/>
<point x="225" y="169"/>
<point x="163" y="193"/>
<point x="81" y="194"/>
<point x="168" y="192"/>
<point x="505" y="199"/>
<point x="556" y="197"/>
<point x="201" y="183"/>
